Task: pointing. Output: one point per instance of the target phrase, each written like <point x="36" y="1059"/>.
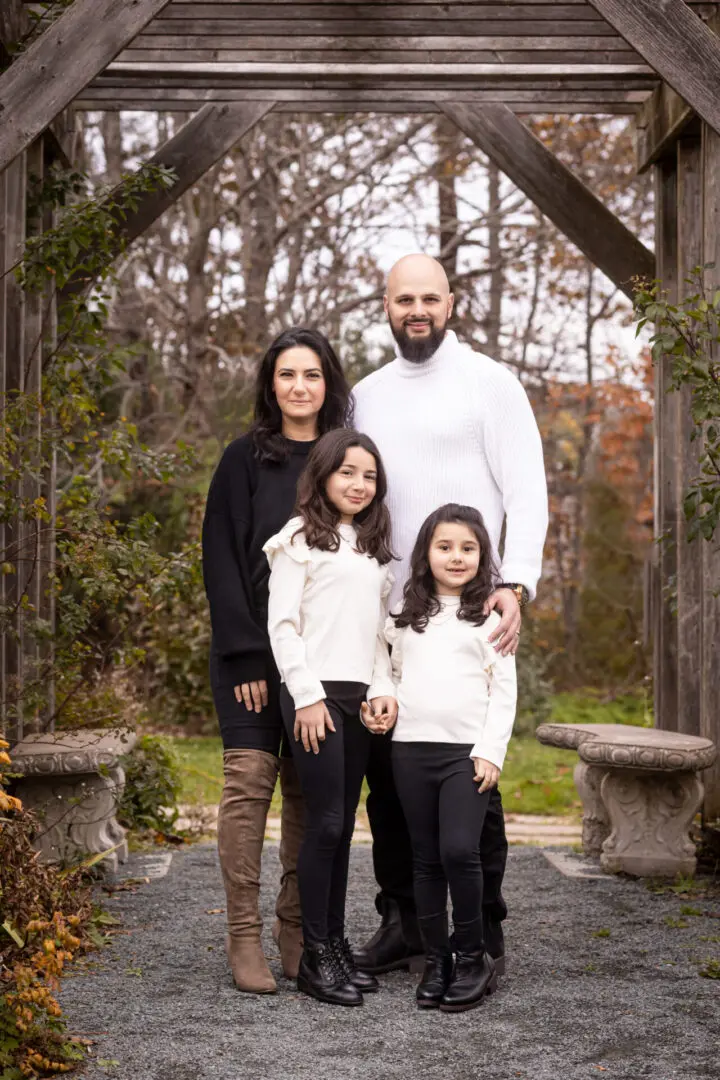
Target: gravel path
<point x="160" y="1003"/>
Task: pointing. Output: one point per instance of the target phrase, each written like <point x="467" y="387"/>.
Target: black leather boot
<point x="473" y="977"/>
<point x="321" y="977"/>
<point x="495" y="944"/>
<point x="365" y="982"/>
<point x="436" y="978"/>
<point x="396" y="944"/>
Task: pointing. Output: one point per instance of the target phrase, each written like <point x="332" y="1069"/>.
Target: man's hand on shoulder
<point x="506" y="635"/>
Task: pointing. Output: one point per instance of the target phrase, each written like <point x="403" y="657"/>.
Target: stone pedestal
<point x="72" y="781"/>
<point x="640" y="791"/>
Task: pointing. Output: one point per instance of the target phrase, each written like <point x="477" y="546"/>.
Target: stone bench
<point x="72" y="781"/>
<point x="640" y="791"/>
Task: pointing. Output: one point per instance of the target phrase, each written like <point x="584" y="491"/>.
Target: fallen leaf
<point x="214" y="911"/>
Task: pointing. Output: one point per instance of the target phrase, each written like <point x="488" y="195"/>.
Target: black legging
<point x="242" y="728"/>
<point x="331" y="783"/>
<point x="445" y="815"/>
<point x="391" y="849"/>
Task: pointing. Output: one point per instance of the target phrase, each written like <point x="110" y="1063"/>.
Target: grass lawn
<point x="536" y="779"/>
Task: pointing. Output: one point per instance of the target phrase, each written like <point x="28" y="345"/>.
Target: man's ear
<point x="385" y="303"/>
<point x="451" y="304"/>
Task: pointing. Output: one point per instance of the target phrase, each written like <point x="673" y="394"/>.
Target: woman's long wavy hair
<point x="420" y="601"/>
<point x="321" y="518"/>
<point x="337" y="409"/>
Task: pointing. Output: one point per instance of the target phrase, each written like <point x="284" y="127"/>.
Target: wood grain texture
<point x="44" y="79"/>
<point x="678" y="45"/>
<point x="659" y="122"/>
<point x="564" y="199"/>
<point x="709" y="662"/>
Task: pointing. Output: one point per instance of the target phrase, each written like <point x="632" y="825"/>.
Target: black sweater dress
<point x="248" y="502"/>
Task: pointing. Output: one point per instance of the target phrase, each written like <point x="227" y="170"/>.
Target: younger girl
<point x="329" y="582"/>
<point x="456" y="707"/>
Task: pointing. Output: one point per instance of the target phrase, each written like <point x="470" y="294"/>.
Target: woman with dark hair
<point x="329" y="583"/>
<point x="301" y="393"/>
<point x="456" y="707"/>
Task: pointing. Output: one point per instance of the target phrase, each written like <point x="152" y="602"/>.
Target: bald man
<point x="452" y="425"/>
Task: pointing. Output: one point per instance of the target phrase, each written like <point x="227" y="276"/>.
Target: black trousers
<point x="445" y="814"/>
<point x="242" y="728"/>
<point x="331" y="783"/>
<point x="392" y="850"/>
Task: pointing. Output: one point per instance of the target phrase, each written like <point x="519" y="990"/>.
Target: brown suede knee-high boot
<point x="287" y="930"/>
<point x="250" y="777"/>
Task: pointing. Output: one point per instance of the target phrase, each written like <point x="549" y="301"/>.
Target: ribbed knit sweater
<point x="458" y="428"/>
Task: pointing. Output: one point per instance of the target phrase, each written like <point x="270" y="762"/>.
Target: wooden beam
<point x="45" y="78"/>
<point x="676" y="43"/>
<point x="564" y="199"/>
<point x="194" y="149"/>
<point x="422" y="70"/>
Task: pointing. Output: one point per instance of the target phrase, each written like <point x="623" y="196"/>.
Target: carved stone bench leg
<point x="650" y="814"/>
<point x="77" y="815"/>
<point x="595" y="823"/>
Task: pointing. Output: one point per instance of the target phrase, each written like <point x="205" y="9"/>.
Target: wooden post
<point x="60" y="63"/>
<point x="689" y="555"/>
<point x="569" y="204"/>
<point x="666" y="478"/>
<point x="708" y="666"/>
<point x="14" y="354"/>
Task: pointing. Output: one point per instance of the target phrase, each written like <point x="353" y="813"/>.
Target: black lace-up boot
<point x="321" y="977"/>
<point x="365" y="982"/>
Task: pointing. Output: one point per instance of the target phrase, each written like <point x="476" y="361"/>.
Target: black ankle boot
<point x="495" y="944"/>
<point x="396" y="944"/>
<point x="473" y="977"/>
<point x="365" y="982"/>
<point x="436" y="978"/>
<point x="321" y="977"/>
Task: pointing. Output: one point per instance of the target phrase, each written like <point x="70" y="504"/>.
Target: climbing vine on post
<point x="689" y="333"/>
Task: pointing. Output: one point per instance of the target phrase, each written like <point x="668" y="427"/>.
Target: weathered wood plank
<point x="678" y="45"/>
<point x="709" y="668"/>
<point x="68" y="54"/>
<point x="344" y="70"/>
<point x="333" y="56"/>
<point x="196" y="147"/>
<point x="15" y="196"/>
<point x="185" y="43"/>
<point x="569" y="204"/>
<point x="666" y="418"/>
<point x="659" y="122"/>
<point x="195" y="29"/>
<point x="689" y="555"/>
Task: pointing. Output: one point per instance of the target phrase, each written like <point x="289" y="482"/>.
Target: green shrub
<point x="535" y="700"/>
<point x="152" y="785"/>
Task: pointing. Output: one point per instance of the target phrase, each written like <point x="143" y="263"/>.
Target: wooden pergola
<point x="483" y="64"/>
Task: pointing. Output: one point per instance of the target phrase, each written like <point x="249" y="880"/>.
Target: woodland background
<point x="299" y="225"/>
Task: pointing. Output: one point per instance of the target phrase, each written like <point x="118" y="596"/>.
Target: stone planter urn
<point x="73" y="781"/>
<point x="640" y="791"/>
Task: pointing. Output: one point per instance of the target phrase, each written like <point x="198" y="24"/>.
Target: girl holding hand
<point x="329" y="583"/>
<point x="456" y="708"/>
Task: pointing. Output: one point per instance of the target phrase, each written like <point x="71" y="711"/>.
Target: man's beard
<point x="418" y="349"/>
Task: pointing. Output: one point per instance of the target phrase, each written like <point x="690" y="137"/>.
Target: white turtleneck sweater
<point x="458" y="428"/>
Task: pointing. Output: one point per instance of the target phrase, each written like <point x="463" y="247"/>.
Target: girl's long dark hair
<point x="420" y="601"/>
<point x="337" y="409"/>
<point x="321" y="518"/>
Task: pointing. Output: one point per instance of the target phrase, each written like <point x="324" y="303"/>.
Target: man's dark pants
<point x="392" y="854"/>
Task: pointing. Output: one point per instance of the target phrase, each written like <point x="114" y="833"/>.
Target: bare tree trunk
<point x="449" y="142"/>
<point x="497" y="277"/>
